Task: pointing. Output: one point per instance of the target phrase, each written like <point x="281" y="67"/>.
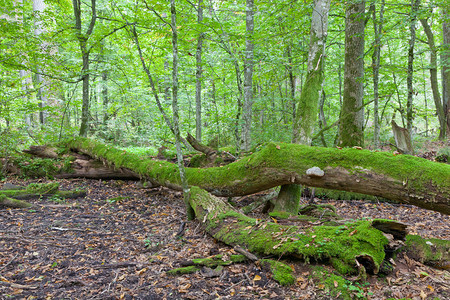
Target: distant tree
<point x="409" y="81"/>
<point x="38" y="9"/>
<point x="378" y="32"/>
<point x="198" y="75"/>
<point x="248" y="77"/>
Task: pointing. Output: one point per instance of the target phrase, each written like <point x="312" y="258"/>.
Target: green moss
<point x="340" y="245"/>
<point x="337" y="287"/>
<point x="197" y="161"/>
<point x="430" y="251"/>
<point x="282" y="273"/>
<point x="184" y="270"/>
<point x="238" y="258"/>
<point x="280" y="214"/>
<point x="42" y="188"/>
<point x="36" y="167"/>
<point x="343" y="195"/>
<point x="6" y="201"/>
<point x="248" y="174"/>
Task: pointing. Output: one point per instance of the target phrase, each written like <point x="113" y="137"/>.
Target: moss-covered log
<point x="403" y="178"/>
<point x="12" y="196"/>
<point x="340" y="245"/>
<point x="13" y="203"/>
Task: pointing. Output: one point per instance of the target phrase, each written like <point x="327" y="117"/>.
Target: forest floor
<point x="119" y="241"/>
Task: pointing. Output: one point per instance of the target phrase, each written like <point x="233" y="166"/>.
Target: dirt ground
<point x="119" y="241"/>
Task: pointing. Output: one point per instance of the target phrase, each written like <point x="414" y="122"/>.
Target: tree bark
<point x="351" y="120"/>
<point x="184" y="182"/>
<point x="198" y="76"/>
<point x="378" y="28"/>
<point x="38" y="8"/>
<point x="403" y="178"/>
<point x="434" y="79"/>
<point x="248" y="78"/>
<point x="409" y="80"/>
<point x="306" y="116"/>
<point x="445" y="57"/>
<point x="83" y="39"/>
<point x="288" y="199"/>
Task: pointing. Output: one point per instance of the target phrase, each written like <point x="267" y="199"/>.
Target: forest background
<point x="95" y="67"/>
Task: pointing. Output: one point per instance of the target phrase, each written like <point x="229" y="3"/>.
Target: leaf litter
<point x="119" y="241"/>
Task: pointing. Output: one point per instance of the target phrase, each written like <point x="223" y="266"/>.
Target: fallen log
<point x="403" y="178"/>
<point x="14" y="196"/>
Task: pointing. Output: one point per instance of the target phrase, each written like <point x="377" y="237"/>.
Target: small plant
<point x="117" y="199"/>
<point x="443" y="155"/>
<point x="57" y="199"/>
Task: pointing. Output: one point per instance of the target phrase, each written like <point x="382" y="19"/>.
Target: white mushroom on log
<point x="315" y="172"/>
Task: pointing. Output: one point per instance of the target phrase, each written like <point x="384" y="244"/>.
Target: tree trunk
<point x="288" y="199"/>
<point x="445" y="61"/>
<point x="409" y="80"/>
<point x="402" y="178"/>
<point x="184" y="183"/>
<point x="351" y="120"/>
<point x="84" y="126"/>
<point x="198" y="77"/>
<point x="38" y="8"/>
<point x="248" y="78"/>
<point x="434" y="80"/>
<point x="307" y="107"/>
<point x="83" y="39"/>
<point x="378" y="28"/>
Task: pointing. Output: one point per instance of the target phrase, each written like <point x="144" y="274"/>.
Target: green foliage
<point x="334" y="285"/>
<point x="43" y="188"/>
<point x="116" y="199"/>
<point x="36" y="167"/>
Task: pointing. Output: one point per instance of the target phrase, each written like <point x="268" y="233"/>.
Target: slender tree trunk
<point x="409" y="81"/>
<point x="291" y="81"/>
<point x="351" y="120"/>
<point x="378" y="28"/>
<point x="83" y="39"/>
<point x="198" y="77"/>
<point x="445" y="61"/>
<point x="186" y="192"/>
<point x="105" y="98"/>
<point x="38" y="8"/>
<point x="248" y="78"/>
<point x="84" y="127"/>
<point x="434" y="80"/>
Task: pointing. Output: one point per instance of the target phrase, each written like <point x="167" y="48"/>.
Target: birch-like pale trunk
<point x="248" y="78"/>
<point x="288" y="199"/>
<point x="307" y="107"/>
<point x="38" y="8"/>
